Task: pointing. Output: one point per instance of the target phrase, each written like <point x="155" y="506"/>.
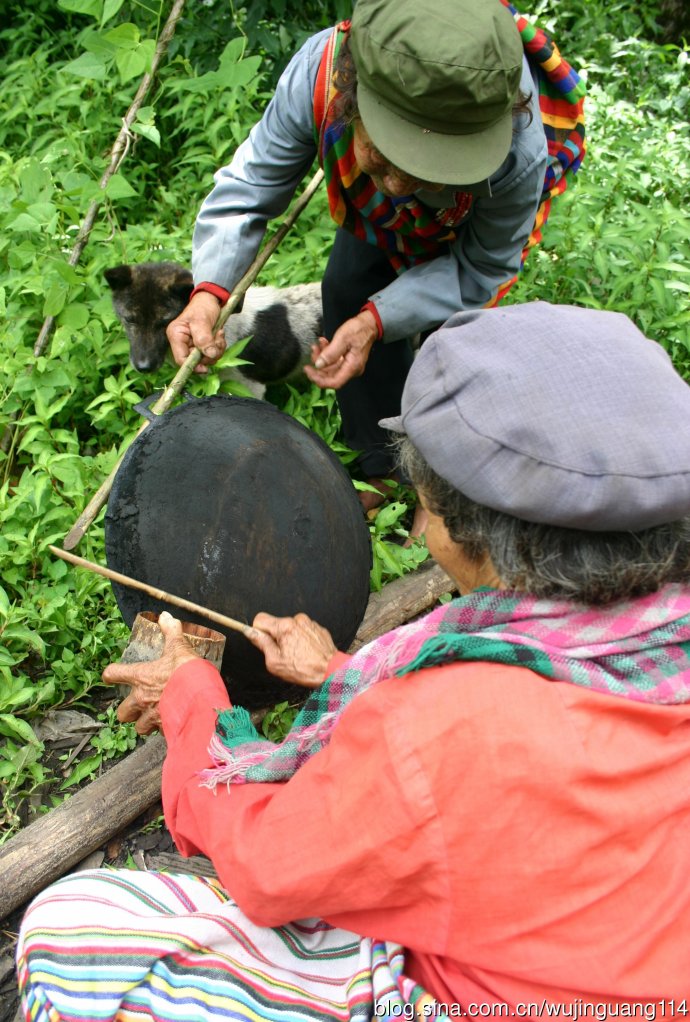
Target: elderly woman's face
<point x="468" y="573"/>
<point x="388" y="179"/>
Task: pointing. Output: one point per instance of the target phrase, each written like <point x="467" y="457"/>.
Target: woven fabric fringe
<point x="637" y="649"/>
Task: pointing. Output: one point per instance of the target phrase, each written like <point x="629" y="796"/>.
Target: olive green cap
<point x="436" y="83"/>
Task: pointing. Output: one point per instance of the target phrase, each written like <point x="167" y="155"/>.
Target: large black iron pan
<point x="233" y="504"/>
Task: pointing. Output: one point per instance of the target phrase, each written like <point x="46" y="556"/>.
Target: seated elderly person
<point x="487" y="807"/>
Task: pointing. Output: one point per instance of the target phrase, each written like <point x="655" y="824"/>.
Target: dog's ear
<point x="182" y="284"/>
<point x="118" y="277"/>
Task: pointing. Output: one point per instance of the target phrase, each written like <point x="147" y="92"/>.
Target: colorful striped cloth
<point x="638" y="649"/>
<point x="126" y="946"/>
<point x="407" y="230"/>
<point x="561" y="103"/>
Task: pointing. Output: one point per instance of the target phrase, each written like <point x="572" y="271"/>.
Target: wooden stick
<point x="180" y="379"/>
<point x="53" y="843"/>
<point x="158" y="594"/>
<point x="117" y="154"/>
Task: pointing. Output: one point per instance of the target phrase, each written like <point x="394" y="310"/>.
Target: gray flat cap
<point x="553" y="414"/>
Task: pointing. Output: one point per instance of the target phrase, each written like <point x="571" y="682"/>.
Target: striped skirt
<point x="127" y="946"/>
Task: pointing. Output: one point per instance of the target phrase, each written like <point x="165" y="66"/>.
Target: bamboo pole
<point x="157" y="594"/>
<point x="180" y="379"/>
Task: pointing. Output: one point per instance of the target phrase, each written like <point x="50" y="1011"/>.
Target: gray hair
<point x="594" y="568"/>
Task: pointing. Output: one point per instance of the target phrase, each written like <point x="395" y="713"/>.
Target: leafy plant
<point x="278" y="721"/>
<point x="390" y="559"/>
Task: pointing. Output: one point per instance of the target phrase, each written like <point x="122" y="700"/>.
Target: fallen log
<point x="51" y="845"/>
<point x="401" y="600"/>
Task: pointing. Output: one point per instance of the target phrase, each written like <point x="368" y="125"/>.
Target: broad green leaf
<point x="88" y="65"/>
<point x="55" y="299"/>
<point x="92" y="7"/>
<point x="139" y="61"/>
<point x="4" y="603"/>
<point x="149" y="131"/>
<point x="110" y="9"/>
<point x="15" y="727"/>
<point x="125" y="36"/>
<point x="389" y="515"/>
<point x="85" y="768"/>
<point x="25" y="222"/>
<point x="75" y="316"/>
<point x="119" y="187"/>
<point x="34" y="178"/>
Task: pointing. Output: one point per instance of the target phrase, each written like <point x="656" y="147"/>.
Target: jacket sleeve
<point x="262" y="178"/>
<point x="353" y="837"/>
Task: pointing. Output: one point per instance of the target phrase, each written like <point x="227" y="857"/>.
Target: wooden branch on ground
<point x="173" y="862"/>
<point x="117" y="154"/>
<point x="401" y="600"/>
<point x="52" y="844"/>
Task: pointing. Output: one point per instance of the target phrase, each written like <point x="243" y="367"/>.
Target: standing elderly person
<point x="444" y="128"/>
<point x="490" y="807"/>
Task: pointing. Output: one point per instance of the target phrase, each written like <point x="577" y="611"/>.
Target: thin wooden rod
<point x="158" y="594"/>
<point x="176" y="386"/>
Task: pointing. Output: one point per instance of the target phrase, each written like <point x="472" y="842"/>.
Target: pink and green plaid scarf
<point x="638" y="649"/>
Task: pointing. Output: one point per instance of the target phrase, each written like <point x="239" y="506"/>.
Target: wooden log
<point x="52" y="844"/>
<point x="173" y="862"/>
<point x="401" y="600"/>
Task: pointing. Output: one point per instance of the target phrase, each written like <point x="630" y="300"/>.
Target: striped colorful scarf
<point x="561" y="103"/>
<point x="638" y="649"/>
<point x="407" y="230"/>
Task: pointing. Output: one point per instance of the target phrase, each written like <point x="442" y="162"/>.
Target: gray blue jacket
<point x="269" y="166"/>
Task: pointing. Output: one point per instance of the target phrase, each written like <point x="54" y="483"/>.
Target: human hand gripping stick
<point x="193" y="328"/>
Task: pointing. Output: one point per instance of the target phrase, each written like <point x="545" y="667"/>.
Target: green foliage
<point x="112" y="740"/>
<point x="390" y="559"/>
<point x="278" y="721"/>
<point x="619" y="238"/>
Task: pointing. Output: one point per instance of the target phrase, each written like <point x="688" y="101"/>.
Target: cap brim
<point x="431" y="155"/>
<point x="394" y="424"/>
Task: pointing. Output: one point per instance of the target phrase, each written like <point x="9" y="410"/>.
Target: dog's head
<point x="146" y="297"/>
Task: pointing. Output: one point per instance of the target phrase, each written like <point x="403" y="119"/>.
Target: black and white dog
<point x="282" y="323"/>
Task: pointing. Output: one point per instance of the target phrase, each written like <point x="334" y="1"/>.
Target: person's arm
<point x="257" y="185"/>
<point x="353" y="836"/>
<point x="262" y="177"/>
<point x="485" y="256"/>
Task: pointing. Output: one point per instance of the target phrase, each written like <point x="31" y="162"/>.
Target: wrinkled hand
<point x="346" y="355"/>
<point x="193" y="328"/>
<point x="148" y="680"/>
<point x="296" y="648"/>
